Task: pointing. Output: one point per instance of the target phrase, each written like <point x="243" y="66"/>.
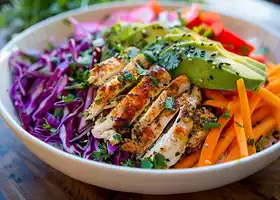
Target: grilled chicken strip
<point x="151" y="133"/>
<point x="173" y="143"/>
<point x="135" y="101"/>
<point x="107" y="69"/>
<point x="174" y="89"/>
<point x="124" y="80"/>
<point x="198" y="134"/>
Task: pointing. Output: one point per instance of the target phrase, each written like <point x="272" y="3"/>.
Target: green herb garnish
<point x="169" y="60"/>
<point x="128" y="163"/>
<point x="128" y="76"/>
<point x="207" y="126"/>
<point x="47" y="126"/>
<point x="101" y="153"/>
<point x="169" y="103"/>
<point x="154" y="82"/>
<point x="118" y="137"/>
<point x="226" y="115"/>
<point x="58" y="112"/>
<point x="238" y="124"/>
<point x="141" y="71"/>
<point x="251" y="142"/>
<point x="76" y="86"/>
<point x="157" y="162"/>
<point x="68" y="98"/>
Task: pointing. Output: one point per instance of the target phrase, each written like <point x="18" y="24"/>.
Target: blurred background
<point x="17" y="15"/>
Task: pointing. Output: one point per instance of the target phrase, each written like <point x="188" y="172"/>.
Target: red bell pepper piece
<point x="234" y="43"/>
<point x="192" y="16"/>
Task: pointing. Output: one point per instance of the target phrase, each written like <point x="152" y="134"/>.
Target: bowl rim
<point x="19" y="129"/>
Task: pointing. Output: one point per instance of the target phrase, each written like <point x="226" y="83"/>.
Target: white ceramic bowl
<point x="123" y="178"/>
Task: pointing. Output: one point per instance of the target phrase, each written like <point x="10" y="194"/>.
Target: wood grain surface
<point x="24" y="177"/>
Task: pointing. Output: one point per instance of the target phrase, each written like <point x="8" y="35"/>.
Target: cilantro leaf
<point x="101" y="153"/>
<point x="68" y="98"/>
<point x="251" y="142"/>
<point x="76" y="86"/>
<point x="169" y="60"/>
<point x="169" y="103"/>
<point x="128" y="76"/>
<point x="128" y="163"/>
<point x="141" y="71"/>
<point x="226" y="115"/>
<point x="159" y="161"/>
<point x="118" y="137"/>
<point x="238" y="124"/>
<point x="154" y="82"/>
<point x="207" y="126"/>
<point x="58" y="112"/>
<point x="47" y="126"/>
<point x="146" y="163"/>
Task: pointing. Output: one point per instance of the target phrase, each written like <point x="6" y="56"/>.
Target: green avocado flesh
<point x="181" y="51"/>
<point x="206" y="67"/>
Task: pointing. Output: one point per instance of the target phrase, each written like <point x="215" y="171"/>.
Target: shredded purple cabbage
<point x="50" y="91"/>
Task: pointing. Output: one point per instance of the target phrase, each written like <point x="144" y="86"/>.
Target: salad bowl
<point x="117" y="177"/>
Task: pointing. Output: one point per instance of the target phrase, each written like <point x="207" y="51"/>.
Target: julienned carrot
<point x="240" y="134"/>
<point x="261" y="114"/>
<point x="216" y="103"/>
<point x="261" y="104"/>
<point x="269" y="97"/>
<point x="270" y="67"/>
<point x="273" y="71"/>
<point x="232" y="144"/>
<point x="246" y="116"/>
<point x="276" y="115"/>
<point x="213" y="137"/>
<point x="264" y="127"/>
<point x="254" y="101"/>
<point x="189" y="161"/>
<point x="155" y="6"/>
<point x="233" y="154"/>
<point x="274" y="86"/>
<point x="214" y="95"/>
<point x="223" y="144"/>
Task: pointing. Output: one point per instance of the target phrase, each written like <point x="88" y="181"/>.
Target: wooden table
<point x="25" y="177"/>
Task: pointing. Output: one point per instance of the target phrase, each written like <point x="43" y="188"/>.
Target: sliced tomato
<point x="260" y="58"/>
<point x="210" y="17"/>
<point x="234" y="43"/>
<point x="192" y="16"/>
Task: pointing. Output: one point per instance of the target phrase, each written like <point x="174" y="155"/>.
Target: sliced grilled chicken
<point x="173" y="143"/>
<point x="151" y="133"/>
<point x="174" y="89"/>
<point x="107" y="69"/>
<point x="198" y="134"/>
<point x="124" y="80"/>
<point x="135" y="101"/>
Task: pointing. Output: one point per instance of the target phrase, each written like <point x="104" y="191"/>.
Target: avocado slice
<point x="145" y="35"/>
<point x="208" y="67"/>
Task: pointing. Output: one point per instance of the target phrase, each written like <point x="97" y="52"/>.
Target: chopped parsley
<point x="154" y="82"/>
<point x="208" y="125"/>
<point x="128" y="163"/>
<point x="169" y="103"/>
<point x="157" y="162"/>
<point x="47" y="126"/>
<point x="76" y="86"/>
<point x="58" y="112"/>
<point x="141" y="71"/>
<point x="98" y="100"/>
<point x="118" y="137"/>
<point x="226" y="115"/>
<point x="251" y="142"/>
<point x="101" y="153"/>
<point x="169" y="60"/>
<point x="70" y="97"/>
<point x="238" y="124"/>
<point x="128" y="76"/>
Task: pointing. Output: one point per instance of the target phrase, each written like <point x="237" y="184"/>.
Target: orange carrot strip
<point x="233" y="154"/>
<point x="264" y="127"/>
<point x="223" y="144"/>
<point x="274" y="86"/>
<point x="246" y="117"/>
<point x="232" y="144"/>
<point x="274" y="71"/>
<point x="269" y="97"/>
<point x="254" y="101"/>
<point x="214" y="95"/>
<point x="189" y="161"/>
<point x="155" y="6"/>
<point x="261" y="114"/>
<point x="270" y="67"/>
<point x="276" y="115"/>
<point x="213" y="137"/>
<point x="240" y="134"/>
<point x="216" y="103"/>
<point x="274" y="77"/>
